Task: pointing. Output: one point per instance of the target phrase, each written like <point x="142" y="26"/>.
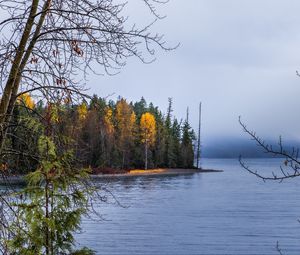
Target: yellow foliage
<point x="132" y="119"/>
<point x="122" y="114"/>
<point x="121" y="108"/>
<point x="148" y="128"/>
<point x="125" y="120"/>
<point x="82" y="111"/>
<point x="108" y="118"/>
<point x="27" y="100"/>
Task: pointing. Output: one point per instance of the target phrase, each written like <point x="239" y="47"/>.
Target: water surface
<point x="210" y="213"/>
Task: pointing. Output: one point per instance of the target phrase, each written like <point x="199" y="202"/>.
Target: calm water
<point x="211" y="213"/>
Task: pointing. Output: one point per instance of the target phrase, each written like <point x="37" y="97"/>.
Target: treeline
<point x="101" y="134"/>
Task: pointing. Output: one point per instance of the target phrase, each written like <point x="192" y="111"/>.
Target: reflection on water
<point x="210" y="213"/>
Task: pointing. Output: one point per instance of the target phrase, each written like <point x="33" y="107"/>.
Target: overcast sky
<point x="239" y="57"/>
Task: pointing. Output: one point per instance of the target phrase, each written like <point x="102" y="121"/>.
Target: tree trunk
<point x="199" y="141"/>
<point x="146" y="155"/>
<point x="47" y="236"/>
<point x="16" y="63"/>
<point x="7" y="110"/>
<point x="123" y="159"/>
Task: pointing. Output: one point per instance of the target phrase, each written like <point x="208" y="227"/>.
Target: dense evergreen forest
<point x="102" y="134"/>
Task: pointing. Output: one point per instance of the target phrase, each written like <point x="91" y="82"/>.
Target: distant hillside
<point x="233" y="148"/>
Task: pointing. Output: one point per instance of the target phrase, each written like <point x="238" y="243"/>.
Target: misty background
<point x="238" y="57"/>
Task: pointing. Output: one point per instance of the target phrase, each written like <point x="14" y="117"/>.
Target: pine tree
<point x="187" y="150"/>
<point x="176" y="158"/>
<point x="140" y="108"/>
<point x="160" y="145"/>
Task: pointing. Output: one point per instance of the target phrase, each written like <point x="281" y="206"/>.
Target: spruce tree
<point x="187" y="150"/>
<point x="47" y="212"/>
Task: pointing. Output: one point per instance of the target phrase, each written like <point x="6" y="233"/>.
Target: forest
<point x="55" y="134"/>
<point x="102" y="134"/>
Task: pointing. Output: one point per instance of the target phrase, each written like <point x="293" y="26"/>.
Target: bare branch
<point x="291" y="161"/>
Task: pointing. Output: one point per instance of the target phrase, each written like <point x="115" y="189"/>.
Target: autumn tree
<point x="45" y="44"/>
<point x="102" y="133"/>
<point x="148" y="132"/>
<point x="109" y="134"/>
<point x="82" y="111"/>
<point x="26" y="100"/>
<point x="125" y="123"/>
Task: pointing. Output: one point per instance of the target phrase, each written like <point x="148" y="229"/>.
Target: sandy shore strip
<point x="157" y="172"/>
<point x="13" y="180"/>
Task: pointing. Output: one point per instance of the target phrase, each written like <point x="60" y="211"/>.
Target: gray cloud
<point x="237" y="57"/>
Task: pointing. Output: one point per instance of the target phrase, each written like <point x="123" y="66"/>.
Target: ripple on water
<point x="210" y="213"/>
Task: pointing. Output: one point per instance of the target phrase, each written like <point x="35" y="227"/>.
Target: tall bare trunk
<point x="16" y="63"/>
<point x="47" y="234"/>
<point x="199" y="141"/>
<point x="146" y="155"/>
<point x="7" y="110"/>
<point x="123" y="159"/>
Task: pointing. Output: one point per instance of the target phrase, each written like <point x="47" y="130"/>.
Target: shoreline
<point x="19" y="179"/>
<point x="156" y="172"/>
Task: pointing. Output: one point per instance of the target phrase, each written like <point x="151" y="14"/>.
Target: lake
<point x="231" y="212"/>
